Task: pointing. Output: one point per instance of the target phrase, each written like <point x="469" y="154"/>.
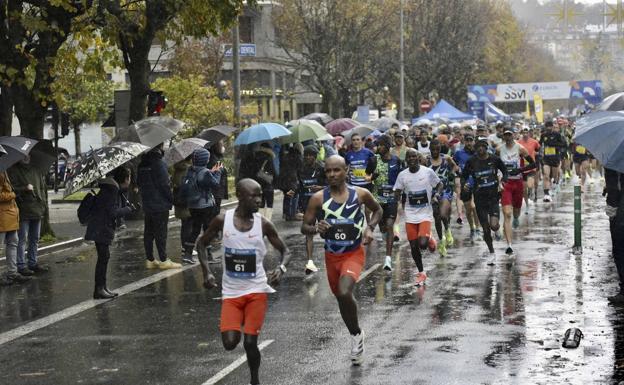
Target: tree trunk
<point x="139" y="88"/>
<point x="6" y="111"/>
<point x="29" y="111"/>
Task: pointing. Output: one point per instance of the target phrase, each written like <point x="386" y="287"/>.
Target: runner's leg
<point x="347" y="304"/>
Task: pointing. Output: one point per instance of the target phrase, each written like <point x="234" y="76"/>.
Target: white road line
<point x="370" y="270"/>
<point x="231" y="367"/>
<point x="30" y="327"/>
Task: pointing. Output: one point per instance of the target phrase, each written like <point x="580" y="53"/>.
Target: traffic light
<point x="156" y="102"/>
<point x="64" y="124"/>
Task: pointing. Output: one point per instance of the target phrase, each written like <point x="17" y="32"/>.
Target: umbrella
<point x="97" y="163"/>
<point x="182" y="150"/>
<point x="339" y="125"/>
<point x="363" y="130"/>
<point x="613" y="102"/>
<point x="602" y="133"/>
<point x="385" y="123"/>
<point x="2" y="151"/>
<point x="304" y="129"/>
<point x="17" y="148"/>
<point x="320" y="117"/>
<point x="155" y="130"/>
<point x="43" y="155"/>
<point x="375" y="134"/>
<point x="260" y="133"/>
<point x="216" y="133"/>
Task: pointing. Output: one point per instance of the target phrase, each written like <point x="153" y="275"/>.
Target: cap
<point x="399" y="134"/>
<point x="482" y="141"/>
<point x="508" y="131"/>
<point x="311" y="149"/>
<point x="468" y="137"/>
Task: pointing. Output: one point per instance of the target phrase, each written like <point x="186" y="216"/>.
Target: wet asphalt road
<point x="472" y="323"/>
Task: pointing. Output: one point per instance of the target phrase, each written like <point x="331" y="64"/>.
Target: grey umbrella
<point x="613" y="102"/>
<point x="155" y="130"/>
<point x="180" y="151"/>
<point x="363" y="130"/>
<point x="216" y="133"/>
<point x="43" y="155"/>
<point x="385" y="123"/>
<point x="16" y="148"/>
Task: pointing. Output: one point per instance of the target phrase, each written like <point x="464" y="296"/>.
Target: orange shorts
<point x="247" y="311"/>
<point x="350" y="263"/>
<point x="418" y="230"/>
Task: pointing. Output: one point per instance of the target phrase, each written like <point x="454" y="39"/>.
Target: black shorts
<point x="580" y="158"/>
<point x="465" y="196"/>
<point x="552" y="161"/>
<point x="389" y="210"/>
<point x="487" y="206"/>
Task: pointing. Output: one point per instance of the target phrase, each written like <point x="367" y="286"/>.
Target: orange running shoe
<point x="421" y="278"/>
<point x="432" y="244"/>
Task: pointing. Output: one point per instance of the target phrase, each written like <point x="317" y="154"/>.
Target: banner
<point x="477" y="109"/>
<point x="539" y="108"/>
<point x="590" y="90"/>
<point x="527" y="113"/>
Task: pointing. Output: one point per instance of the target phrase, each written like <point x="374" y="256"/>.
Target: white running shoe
<point x="547" y="198"/>
<point x="491" y="259"/>
<point x="357" y="348"/>
<point x="310" y="267"/>
<point x="388" y="263"/>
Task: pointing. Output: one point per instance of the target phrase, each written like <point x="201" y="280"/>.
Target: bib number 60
<point x="340" y="236"/>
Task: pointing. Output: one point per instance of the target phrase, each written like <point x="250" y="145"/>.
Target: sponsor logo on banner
<point x="590" y="90"/>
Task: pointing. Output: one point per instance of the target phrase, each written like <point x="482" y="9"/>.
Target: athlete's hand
<point x="368" y="178"/>
<point x="210" y="281"/>
<point x="274" y="276"/>
<point x="290" y="193"/>
<point x="466" y="188"/>
<point x="367" y="237"/>
<point x="322" y="227"/>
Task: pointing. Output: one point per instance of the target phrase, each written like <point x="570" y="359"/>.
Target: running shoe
<point x="442" y="247"/>
<point x="497" y="235"/>
<point x="509" y="250"/>
<point x="515" y="223"/>
<point x="188" y="260"/>
<point x="472" y="236"/>
<point x="460" y="221"/>
<point x="310" y="267"/>
<point x="450" y="241"/>
<point x="547" y="198"/>
<point x="168" y="264"/>
<point x="478" y="235"/>
<point x="421" y="278"/>
<point x="388" y="263"/>
<point x="151" y="264"/>
<point x="432" y="245"/>
<point x="357" y="348"/>
<point x="491" y="258"/>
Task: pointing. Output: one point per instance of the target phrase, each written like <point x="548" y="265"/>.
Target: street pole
<point x="578" y="245"/>
<point x="236" y="75"/>
<point x="402" y="80"/>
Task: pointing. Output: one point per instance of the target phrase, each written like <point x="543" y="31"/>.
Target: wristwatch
<point x="283" y="268"/>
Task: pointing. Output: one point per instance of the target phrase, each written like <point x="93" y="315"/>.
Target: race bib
<point x="307" y="185"/>
<point x="240" y="263"/>
<point x="550" y="151"/>
<point x="581" y="150"/>
<point x="359" y="172"/>
<point x="342" y="232"/>
<point x="418" y="198"/>
<point x="485" y="179"/>
<point x="386" y="192"/>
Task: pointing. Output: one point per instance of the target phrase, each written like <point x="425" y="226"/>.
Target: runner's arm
<point x="530" y="163"/>
<point x="215" y="226"/>
<point x="454" y="165"/>
<point x="371" y="204"/>
<point x="268" y="228"/>
<point x="501" y="167"/>
<point x="309" y="218"/>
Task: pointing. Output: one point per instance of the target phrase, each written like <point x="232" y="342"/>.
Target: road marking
<point x="370" y="270"/>
<point x="230" y="368"/>
<point x="30" y="327"/>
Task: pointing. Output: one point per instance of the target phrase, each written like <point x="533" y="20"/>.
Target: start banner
<point x="590" y="90"/>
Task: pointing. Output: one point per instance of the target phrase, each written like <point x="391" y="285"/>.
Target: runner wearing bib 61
<point x="341" y="222"/>
<point x="245" y="284"/>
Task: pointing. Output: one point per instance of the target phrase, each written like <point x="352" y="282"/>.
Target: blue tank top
<point x="347" y="221"/>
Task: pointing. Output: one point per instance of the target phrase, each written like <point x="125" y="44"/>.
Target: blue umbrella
<point x="261" y="133"/>
<point x="602" y="133"/>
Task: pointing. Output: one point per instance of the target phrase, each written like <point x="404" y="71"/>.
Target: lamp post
<point x="402" y="75"/>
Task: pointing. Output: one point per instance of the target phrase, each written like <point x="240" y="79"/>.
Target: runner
<point x="581" y="162"/>
<point x="312" y="179"/>
<point x="552" y="142"/>
<point x="532" y="146"/>
<point x="445" y="168"/>
<point x="384" y="177"/>
<point x="245" y="284"/>
<point x="461" y="158"/>
<point x="483" y="169"/>
<point x="423" y="144"/>
<point x="512" y="153"/>
<point x="341" y="223"/>
<point x="360" y="161"/>
<point x="418" y="184"/>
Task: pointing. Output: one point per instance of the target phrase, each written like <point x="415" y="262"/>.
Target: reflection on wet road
<point x="471" y="324"/>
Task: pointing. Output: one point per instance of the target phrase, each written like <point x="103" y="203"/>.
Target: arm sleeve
<point x="210" y="179"/>
<point x="163" y="182"/>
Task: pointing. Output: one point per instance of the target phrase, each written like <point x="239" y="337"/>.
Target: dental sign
<point x="590" y="90"/>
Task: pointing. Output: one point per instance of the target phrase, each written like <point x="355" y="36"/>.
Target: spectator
<point x="258" y="165"/>
<point x="199" y="197"/>
<point x="102" y="222"/>
<point x="157" y="199"/>
<point x="399" y="149"/>
<point x="30" y="187"/>
<point x="181" y="210"/>
<point x="217" y="152"/>
<point x="614" y="190"/>
<point x="288" y="181"/>
<point x="9" y="224"/>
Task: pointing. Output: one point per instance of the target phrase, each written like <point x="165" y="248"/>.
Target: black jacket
<point x="101" y="227"/>
<point x="290" y="165"/>
<point x="220" y="192"/>
<point x="154" y="184"/>
<point x="252" y="163"/>
<point x="614" y="189"/>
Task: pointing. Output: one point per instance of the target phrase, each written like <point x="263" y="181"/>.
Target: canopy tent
<point x="444" y="110"/>
<point x="494" y="113"/>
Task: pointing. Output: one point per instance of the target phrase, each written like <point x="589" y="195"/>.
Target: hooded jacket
<point x="9" y="213"/>
<point x="153" y="182"/>
<point x="101" y="227"/>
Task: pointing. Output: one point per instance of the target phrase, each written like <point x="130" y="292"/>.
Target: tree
<point x="199" y="57"/>
<point x="196" y="104"/>
<point x="31" y="33"/>
<point x="595" y="56"/>
<point x="136" y="24"/>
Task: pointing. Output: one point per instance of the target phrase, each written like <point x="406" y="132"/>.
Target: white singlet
<point x="243" y="272"/>
<point x="511" y="158"/>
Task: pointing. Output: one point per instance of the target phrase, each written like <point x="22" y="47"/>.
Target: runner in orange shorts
<point x="342" y="223"/>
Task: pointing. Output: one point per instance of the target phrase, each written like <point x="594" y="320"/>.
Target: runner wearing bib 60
<point x="551" y="142"/>
<point x="511" y="153"/>
<point x="245" y="284"/>
<point x="341" y="223"/>
<point x="419" y="184"/>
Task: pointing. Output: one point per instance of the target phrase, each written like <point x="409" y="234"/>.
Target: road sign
<point x="425" y="105"/>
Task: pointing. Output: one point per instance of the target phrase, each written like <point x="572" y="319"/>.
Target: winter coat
<point x="220" y="192"/>
<point x="207" y="181"/>
<point x="9" y="213"/>
<point x="179" y="172"/>
<point x="101" y="227"/>
<point x="153" y="182"/>
<point x="259" y="159"/>
<point x="32" y="204"/>
<point x="291" y="163"/>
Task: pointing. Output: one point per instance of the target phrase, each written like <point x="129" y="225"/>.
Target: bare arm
<point x="309" y="218"/>
<point x="454" y="165"/>
<point x="203" y="241"/>
<point x="371" y="204"/>
<point x="271" y="233"/>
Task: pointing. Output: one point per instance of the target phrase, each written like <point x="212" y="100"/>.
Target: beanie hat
<point x="310" y="149"/>
<point x="201" y="156"/>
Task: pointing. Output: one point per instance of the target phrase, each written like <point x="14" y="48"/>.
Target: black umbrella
<point x="43" y="155"/>
<point x="319" y="117"/>
<point x="216" y="133"/>
<point x="613" y="102"/>
<point x="2" y="151"/>
<point x="17" y="148"/>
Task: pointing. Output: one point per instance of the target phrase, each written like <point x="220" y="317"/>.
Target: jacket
<point x="254" y="162"/>
<point x="206" y="182"/>
<point x="153" y="182"/>
<point x="614" y="190"/>
<point x="221" y="192"/>
<point x="9" y="213"/>
<point x="101" y="227"/>
<point x="32" y="204"/>
<point x="291" y="163"/>
<point x="179" y="172"/>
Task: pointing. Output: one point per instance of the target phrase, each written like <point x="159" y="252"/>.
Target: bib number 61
<point x="239" y="267"/>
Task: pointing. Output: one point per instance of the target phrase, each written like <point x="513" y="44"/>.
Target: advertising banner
<point x="477" y="109"/>
<point x="590" y="90"/>
<point x="539" y="108"/>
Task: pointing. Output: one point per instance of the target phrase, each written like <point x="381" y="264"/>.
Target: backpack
<point x="86" y="209"/>
<point x="189" y="191"/>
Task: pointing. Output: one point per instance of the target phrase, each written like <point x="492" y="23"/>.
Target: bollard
<point x="578" y="245"/>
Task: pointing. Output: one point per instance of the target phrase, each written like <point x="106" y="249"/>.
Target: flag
<point x="527" y="113"/>
<point x="539" y="108"/>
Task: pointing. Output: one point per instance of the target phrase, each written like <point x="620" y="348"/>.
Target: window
<point x="245" y="29"/>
